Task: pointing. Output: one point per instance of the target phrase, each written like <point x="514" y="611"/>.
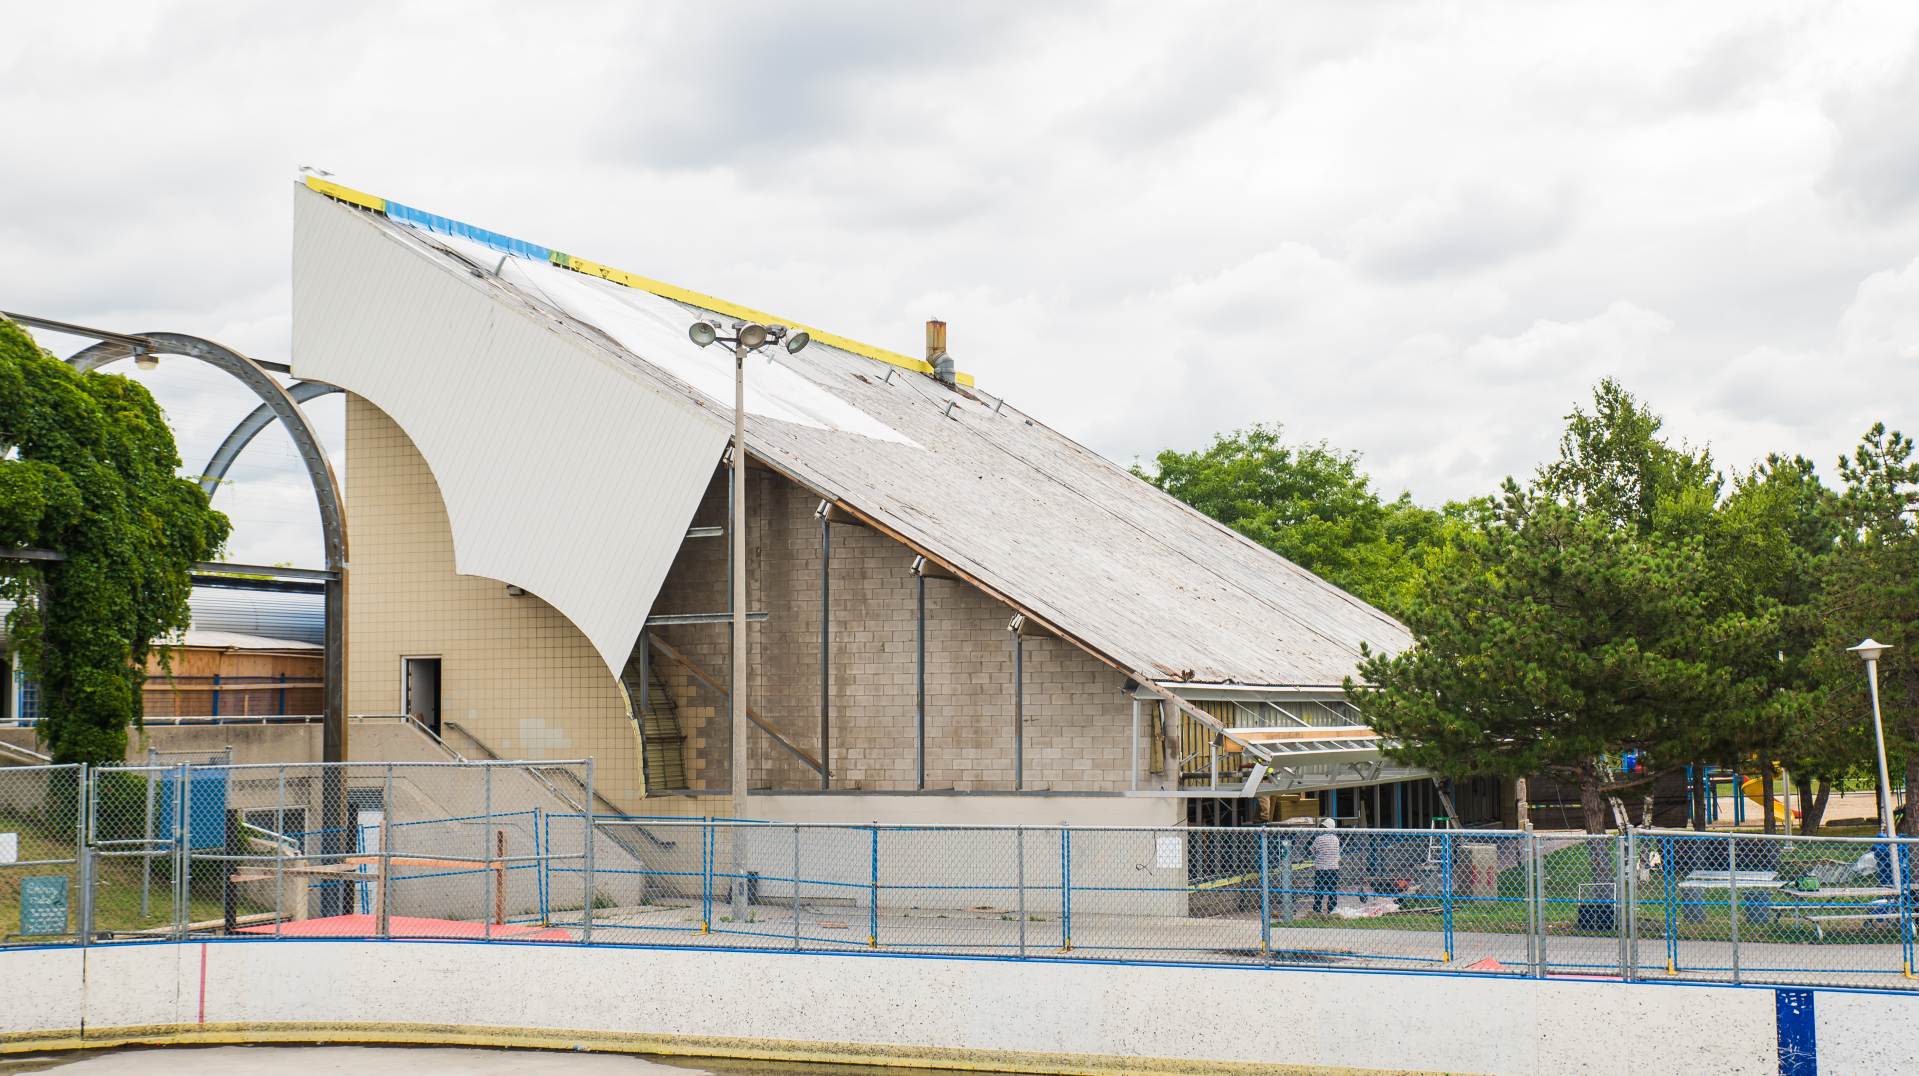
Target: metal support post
<point x="486" y="845"/>
<point x="796" y="884"/>
<point x="1019" y="710"/>
<point x="1527" y="854"/>
<point x="919" y="685"/>
<point x="280" y="855"/>
<point x="1446" y="890"/>
<point x="706" y="877"/>
<point x="231" y="848"/>
<point x="1265" y="894"/>
<point x="586" y="902"/>
<point x="83" y="807"/>
<point x="182" y="861"/>
<point x="1618" y="903"/>
<point x="1732" y="892"/>
<point x="735" y="605"/>
<point x="1065" y="890"/>
<point x="1632" y="904"/>
<point x="1542" y="958"/>
<point x="873" y="892"/>
<point x="385" y="901"/>
<point x="826" y="637"/>
<point x="1019" y="853"/>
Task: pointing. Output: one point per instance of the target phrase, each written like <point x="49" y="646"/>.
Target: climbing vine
<point x="88" y="469"/>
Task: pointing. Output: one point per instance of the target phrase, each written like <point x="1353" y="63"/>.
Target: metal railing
<point x="491" y="851"/>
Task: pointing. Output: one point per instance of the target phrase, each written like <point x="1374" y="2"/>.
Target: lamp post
<point x="1869" y="652"/>
<point x="747" y="338"/>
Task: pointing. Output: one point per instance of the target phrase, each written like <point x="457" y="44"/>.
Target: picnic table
<point x="1762" y="884"/>
<point x="1860" y="904"/>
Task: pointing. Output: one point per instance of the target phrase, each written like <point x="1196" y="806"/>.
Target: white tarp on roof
<point x="1034" y="517"/>
<point x="565" y="469"/>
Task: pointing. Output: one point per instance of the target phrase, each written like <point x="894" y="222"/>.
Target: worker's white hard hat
<point x="1330" y="823"/>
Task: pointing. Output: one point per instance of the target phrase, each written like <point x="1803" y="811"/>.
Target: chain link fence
<point x="503" y="851"/>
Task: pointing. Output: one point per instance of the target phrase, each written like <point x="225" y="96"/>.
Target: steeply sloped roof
<point x="973" y="481"/>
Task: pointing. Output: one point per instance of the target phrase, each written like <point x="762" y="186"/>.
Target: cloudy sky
<point x="1420" y="231"/>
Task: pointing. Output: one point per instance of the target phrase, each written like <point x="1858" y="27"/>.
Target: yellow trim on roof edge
<point x="674" y="292"/>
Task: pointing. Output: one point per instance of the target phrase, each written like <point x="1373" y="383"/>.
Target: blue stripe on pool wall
<point x="433" y="222"/>
<point x="1798" y="1041"/>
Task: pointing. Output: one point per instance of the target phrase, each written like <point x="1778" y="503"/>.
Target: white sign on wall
<point x="1168" y="857"/>
<point x="9" y="848"/>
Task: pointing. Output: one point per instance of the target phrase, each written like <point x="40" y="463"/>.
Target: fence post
<point x="1539" y="909"/>
<point x="1618" y="897"/>
<point x="586" y="904"/>
<point x="796" y="886"/>
<point x="1446" y="894"/>
<point x="146" y="848"/>
<point x="1065" y="890"/>
<point x="1265" y="895"/>
<point x="83" y="808"/>
<point x="1631" y="927"/>
<point x="1732" y="890"/>
<point x="542" y="852"/>
<point x="706" y="876"/>
<point x="182" y="861"/>
<point x="383" y="897"/>
<point x="280" y="853"/>
<point x="873" y="892"/>
<point x="486" y="849"/>
<point x="1669" y="880"/>
<point x="1526" y="853"/>
<point x="1905" y="907"/>
<point x="1019" y="850"/>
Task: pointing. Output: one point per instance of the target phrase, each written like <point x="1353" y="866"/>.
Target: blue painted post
<point x="706" y="876"/>
<point x="283" y="694"/>
<point x="1265" y="895"/>
<point x="1672" y="908"/>
<point x="1905" y="906"/>
<point x="216" y="694"/>
<point x="873" y="894"/>
<point x="1738" y="802"/>
<point x="1065" y="890"/>
<point x="1446" y="888"/>
<point x="540" y="838"/>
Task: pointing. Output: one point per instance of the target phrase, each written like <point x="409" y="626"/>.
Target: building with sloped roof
<point x="956" y="612"/>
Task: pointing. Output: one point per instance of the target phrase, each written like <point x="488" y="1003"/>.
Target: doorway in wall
<point x="420" y="690"/>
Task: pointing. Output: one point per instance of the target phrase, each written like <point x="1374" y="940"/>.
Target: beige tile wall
<point x="514" y="671"/>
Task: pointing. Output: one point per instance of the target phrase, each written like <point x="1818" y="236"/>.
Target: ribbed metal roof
<point x="273" y="615"/>
<point x="1015" y="506"/>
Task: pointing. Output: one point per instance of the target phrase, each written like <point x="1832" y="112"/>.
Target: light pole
<point x="1869" y="652"/>
<point x="747" y="338"/>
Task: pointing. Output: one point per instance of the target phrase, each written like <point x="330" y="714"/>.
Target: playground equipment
<point x="1754" y="789"/>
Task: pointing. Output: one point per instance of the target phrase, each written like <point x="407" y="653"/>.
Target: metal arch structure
<point x="276" y="402"/>
<point x="249" y="427"/>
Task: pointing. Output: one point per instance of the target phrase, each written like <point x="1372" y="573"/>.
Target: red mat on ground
<point x="407" y="926"/>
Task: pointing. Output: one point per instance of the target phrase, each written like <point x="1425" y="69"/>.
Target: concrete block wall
<point x="1077" y="721"/>
<point x="514" y="670"/>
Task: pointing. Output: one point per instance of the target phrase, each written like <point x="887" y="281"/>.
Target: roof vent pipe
<point x="936" y="356"/>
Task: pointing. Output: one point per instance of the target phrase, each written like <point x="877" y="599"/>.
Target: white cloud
<point x="1419" y="232"/>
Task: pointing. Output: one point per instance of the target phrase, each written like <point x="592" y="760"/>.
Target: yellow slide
<point x="1754" y="788"/>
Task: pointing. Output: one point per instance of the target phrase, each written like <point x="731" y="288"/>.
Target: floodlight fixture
<point x="145" y="360"/>
<point x="1870" y="649"/>
<point x="797" y="342"/>
<point x="702" y="333"/>
<point x="750" y="336"/>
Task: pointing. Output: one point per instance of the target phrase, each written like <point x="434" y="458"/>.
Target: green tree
<point x="1871" y="587"/>
<point x="1592" y="613"/>
<point x="87" y="468"/>
<point x="1311" y="504"/>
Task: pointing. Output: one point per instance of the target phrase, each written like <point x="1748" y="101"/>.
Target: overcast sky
<point x="1419" y="231"/>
